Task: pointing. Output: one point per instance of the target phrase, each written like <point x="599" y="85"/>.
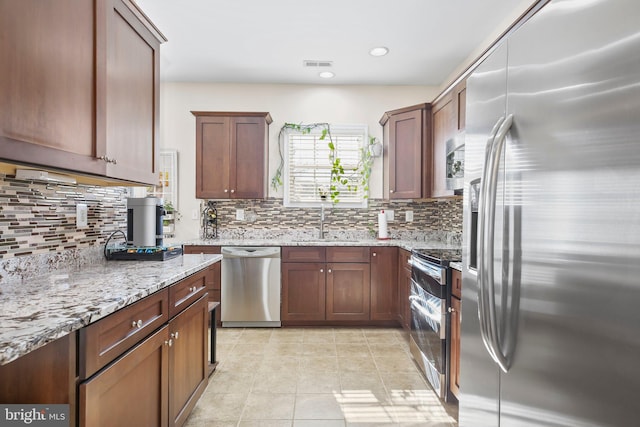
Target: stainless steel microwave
<point x="455" y="163"/>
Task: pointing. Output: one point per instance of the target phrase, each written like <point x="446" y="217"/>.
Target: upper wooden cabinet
<point x="80" y="87"/>
<point x="231" y="154"/>
<point x="407" y="141"/>
<point x="449" y="115"/>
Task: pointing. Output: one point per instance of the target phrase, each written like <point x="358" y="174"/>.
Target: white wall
<point x="286" y="103"/>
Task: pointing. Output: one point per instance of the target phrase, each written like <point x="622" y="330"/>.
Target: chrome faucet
<point x="321" y="236"/>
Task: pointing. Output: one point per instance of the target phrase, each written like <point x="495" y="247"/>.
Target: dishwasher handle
<point x="250" y="252"/>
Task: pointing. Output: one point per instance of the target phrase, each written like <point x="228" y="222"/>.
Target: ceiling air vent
<point x="314" y="63"/>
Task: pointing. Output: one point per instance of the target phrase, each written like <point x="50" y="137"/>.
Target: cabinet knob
<point x="226" y="191"/>
<point x="192" y="289"/>
<point x="169" y="342"/>
<point x="374" y="254"/>
<point x="322" y="270"/>
<point x="390" y="191"/>
<point x="174" y="335"/>
<point x="233" y="191"/>
<point x="329" y="271"/>
<point x="452" y="310"/>
<point x="137" y="324"/>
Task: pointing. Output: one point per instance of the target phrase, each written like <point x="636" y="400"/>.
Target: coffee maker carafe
<point x="144" y="221"/>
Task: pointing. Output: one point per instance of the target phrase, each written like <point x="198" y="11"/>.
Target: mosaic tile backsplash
<point x="40" y="218"/>
<point x="440" y="219"/>
<point x="38" y="230"/>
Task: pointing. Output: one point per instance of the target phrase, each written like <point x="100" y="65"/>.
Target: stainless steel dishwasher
<point x="250" y="287"/>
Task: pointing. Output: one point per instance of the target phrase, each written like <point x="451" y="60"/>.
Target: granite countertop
<point x="456" y="265"/>
<point x="35" y="311"/>
<point x="284" y="241"/>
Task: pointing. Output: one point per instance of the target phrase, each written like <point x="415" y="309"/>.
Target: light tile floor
<point x="318" y="377"/>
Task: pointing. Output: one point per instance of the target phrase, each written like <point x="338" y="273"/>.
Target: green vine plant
<point x="340" y="178"/>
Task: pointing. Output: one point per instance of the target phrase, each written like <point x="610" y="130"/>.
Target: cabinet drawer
<point x="187" y="291"/>
<point x="348" y="254"/>
<point x="456" y="283"/>
<point x="303" y="254"/>
<point x="200" y="249"/>
<point x="108" y="338"/>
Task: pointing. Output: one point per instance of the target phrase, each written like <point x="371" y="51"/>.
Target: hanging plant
<point x="340" y="178"/>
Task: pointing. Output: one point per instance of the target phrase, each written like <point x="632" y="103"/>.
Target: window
<point x="308" y="167"/>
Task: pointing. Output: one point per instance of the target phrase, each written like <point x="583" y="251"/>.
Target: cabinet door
<point x="405" y="155"/>
<point x="213" y="139"/>
<point x="404" y="287"/>
<point x="188" y="365"/>
<point x="127" y="95"/>
<point x="47" y="83"/>
<point x="348" y="291"/>
<point x="444" y="123"/>
<point x="384" y="283"/>
<point x="303" y="291"/>
<point x="132" y="391"/>
<point x="248" y="157"/>
<point x="454" y="371"/>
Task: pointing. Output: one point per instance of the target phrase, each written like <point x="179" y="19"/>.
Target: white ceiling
<point x="259" y="41"/>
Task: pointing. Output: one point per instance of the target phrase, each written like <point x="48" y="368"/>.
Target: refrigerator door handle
<point x="501" y="357"/>
<point x="482" y="241"/>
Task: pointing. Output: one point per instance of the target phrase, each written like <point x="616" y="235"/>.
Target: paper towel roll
<point x="382" y="226"/>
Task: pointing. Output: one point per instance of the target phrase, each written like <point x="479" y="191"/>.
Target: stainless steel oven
<point x="429" y="300"/>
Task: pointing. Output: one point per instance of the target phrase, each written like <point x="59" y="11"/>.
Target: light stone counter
<point x="35" y="311"/>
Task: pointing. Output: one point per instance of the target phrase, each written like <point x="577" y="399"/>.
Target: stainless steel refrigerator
<point x="550" y="332"/>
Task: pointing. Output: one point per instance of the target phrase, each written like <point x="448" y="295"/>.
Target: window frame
<point x="361" y="130"/>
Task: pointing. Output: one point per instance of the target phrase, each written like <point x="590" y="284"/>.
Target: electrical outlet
<point x="391" y="216"/>
<point x="239" y="214"/>
<point x="408" y="216"/>
<point x="82" y="215"/>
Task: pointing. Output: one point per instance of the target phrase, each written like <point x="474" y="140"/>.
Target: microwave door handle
<point x="503" y="360"/>
<point x="482" y="242"/>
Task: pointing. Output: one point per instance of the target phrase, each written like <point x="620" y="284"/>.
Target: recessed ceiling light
<point x="326" y="74"/>
<point x="379" y="51"/>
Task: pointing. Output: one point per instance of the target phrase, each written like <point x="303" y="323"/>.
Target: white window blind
<point x="308" y="167"/>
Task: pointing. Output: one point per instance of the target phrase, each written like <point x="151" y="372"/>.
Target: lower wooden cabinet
<point x="404" y="288"/>
<point x="339" y="284"/>
<point x="213" y="274"/>
<point x="454" y="370"/>
<point x="157" y="382"/>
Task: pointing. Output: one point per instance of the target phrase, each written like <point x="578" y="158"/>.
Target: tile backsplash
<point x="39" y="217"/>
<point x="38" y="222"/>
<point x="263" y="218"/>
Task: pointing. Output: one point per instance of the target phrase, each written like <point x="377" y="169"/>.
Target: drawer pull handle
<point x="169" y="342"/>
<point x="137" y="324"/>
<point x="193" y="289"/>
<point x="174" y="335"/>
